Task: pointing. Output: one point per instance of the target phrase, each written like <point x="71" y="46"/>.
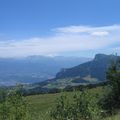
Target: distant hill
<point x="91" y="72"/>
<point x="34" y="69"/>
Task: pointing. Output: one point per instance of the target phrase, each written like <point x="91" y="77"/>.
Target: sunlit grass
<point x="40" y="105"/>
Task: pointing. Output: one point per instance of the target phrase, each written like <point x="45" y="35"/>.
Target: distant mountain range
<point x="34" y="69"/>
<point x="91" y="72"/>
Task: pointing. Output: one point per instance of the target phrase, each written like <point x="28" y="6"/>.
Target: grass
<point x="40" y="105"/>
<point x="114" y="117"/>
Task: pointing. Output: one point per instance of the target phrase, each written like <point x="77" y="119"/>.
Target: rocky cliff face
<point x="95" y="68"/>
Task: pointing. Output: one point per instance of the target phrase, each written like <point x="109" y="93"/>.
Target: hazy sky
<point x="59" y="27"/>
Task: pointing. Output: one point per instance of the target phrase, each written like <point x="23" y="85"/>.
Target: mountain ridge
<point x="91" y="72"/>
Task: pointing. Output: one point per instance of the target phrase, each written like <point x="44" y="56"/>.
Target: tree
<point x="111" y="100"/>
<point x="13" y="106"/>
<point x="113" y="77"/>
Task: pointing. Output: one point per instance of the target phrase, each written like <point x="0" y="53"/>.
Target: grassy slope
<point x="41" y="104"/>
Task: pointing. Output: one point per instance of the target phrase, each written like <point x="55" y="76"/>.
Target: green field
<point x="40" y="105"/>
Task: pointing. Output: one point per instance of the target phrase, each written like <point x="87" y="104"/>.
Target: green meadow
<point x="40" y="105"/>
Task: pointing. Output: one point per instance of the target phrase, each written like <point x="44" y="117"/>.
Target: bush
<point x="82" y="107"/>
<point x="13" y="106"/>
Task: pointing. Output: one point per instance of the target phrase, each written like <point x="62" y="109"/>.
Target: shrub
<point x="82" y="107"/>
<point x="13" y="106"/>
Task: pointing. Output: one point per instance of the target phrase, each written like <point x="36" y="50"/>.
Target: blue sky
<point x="59" y="27"/>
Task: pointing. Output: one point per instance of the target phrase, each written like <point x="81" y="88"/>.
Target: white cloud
<point x="100" y="33"/>
<point x="65" y="39"/>
<point x="80" y="29"/>
<point x="73" y="29"/>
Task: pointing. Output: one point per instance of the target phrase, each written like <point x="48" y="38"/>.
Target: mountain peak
<point x="99" y="56"/>
<point x="104" y="56"/>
